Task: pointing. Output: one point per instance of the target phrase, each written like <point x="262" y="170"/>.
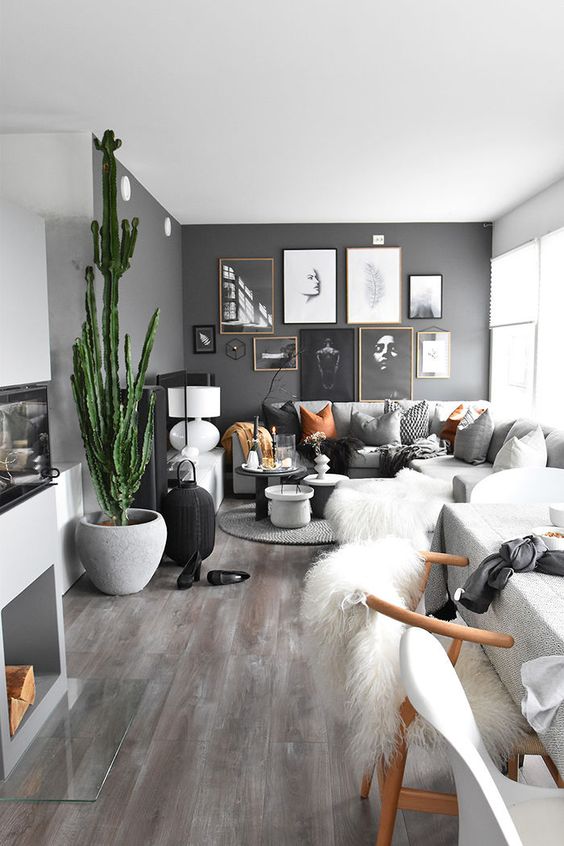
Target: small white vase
<point x="321" y="465"/>
<point x="252" y="460"/>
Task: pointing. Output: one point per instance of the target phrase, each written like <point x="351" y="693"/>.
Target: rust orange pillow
<point x="322" y="421"/>
<point x="448" y="432"/>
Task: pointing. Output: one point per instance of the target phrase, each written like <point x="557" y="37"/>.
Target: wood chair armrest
<point x="440" y="627"/>
<point x="444" y="558"/>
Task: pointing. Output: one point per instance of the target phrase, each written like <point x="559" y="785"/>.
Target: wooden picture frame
<point x="246" y="296"/>
<point x="385" y="363"/>
<point x="275" y="354"/>
<point x="374" y="285"/>
<point x="433" y="354"/>
<point x="327" y="364"/>
<point x="310" y="285"/>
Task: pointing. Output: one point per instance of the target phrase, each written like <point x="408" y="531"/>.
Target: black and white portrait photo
<point x="310" y="286"/>
<point x="204" y="339"/>
<point x="373" y="285"/>
<point x="425" y="296"/>
<point x="327" y="364"/>
<point x="276" y="353"/>
<point x="385" y="362"/>
<point x="246" y="296"/>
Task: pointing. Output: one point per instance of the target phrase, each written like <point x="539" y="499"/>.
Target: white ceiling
<point x="239" y="111"/>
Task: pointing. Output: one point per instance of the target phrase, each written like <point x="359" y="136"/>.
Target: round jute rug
<point x="241" y="523"/>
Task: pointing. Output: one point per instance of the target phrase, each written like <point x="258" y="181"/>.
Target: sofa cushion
<point x="528" y="451"/>
<point x="285" y="418"/>
<point x="320" y="422"/>
<point x="464" y="483"/>
<point x="555" y="448"/>
<point x="500" y="432"/>
<point x="376" y="431"/>
<point x="342" y="414"/>
<point x="366" y="458"/>
<point x="414" y="421"/>
<point x="521" y="427"/>
<point x="473" y="436"/>
<point x="440" y="467"/>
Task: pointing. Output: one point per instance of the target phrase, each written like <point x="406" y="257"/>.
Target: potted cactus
<point x="120" y="547"/>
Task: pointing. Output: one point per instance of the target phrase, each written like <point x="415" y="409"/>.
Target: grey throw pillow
<point x="376" y="431"/>
<point x="473" y="437"/>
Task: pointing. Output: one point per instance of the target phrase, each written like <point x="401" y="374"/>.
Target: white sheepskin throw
<point x="354" y="652"/>
<point x="406" y="507"/>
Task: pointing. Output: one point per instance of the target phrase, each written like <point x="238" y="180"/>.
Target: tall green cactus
<point x="107" y="415"/>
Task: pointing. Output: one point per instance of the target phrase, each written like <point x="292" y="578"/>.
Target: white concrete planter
<point x="121" y="559"/>
<point x="290" y="507"/>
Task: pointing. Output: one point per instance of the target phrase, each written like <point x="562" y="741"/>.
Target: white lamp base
<point x="202" y="435"/>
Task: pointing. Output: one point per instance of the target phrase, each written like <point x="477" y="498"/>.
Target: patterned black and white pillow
<point x="414" y="421"/>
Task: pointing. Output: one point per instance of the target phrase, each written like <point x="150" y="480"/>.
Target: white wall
<point x="537" y="216"/>
<point x="48" y="173"/>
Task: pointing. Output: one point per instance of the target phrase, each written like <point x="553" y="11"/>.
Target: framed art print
<point x="276" y="353"/>
<point x="246" y="296"/>
<point x="373" y="284"/>
<point x="204" y="339"/>
<point x="327" y="364"/>
<point x="433" y="355"/>
<point x="425" y="297"/>
<point x="310" y="286"/>
<point x="385" y="355"/>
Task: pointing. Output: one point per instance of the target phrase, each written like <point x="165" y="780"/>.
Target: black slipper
<point x="227" y="577"/>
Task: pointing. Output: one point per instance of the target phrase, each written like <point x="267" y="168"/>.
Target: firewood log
<point x="20" y="683"/>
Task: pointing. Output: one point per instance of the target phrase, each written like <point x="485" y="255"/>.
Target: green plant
<point x="108" y="414"/>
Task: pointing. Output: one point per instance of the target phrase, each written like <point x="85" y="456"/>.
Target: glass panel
<point x="512" y="368"/>
<point x="72" y="755"/>
<point x="515" y="286"/>
<point x="549" y="406"/>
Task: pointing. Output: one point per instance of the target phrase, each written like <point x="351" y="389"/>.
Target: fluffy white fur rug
<point x="354" y="652"/>
<point x="406" y="507"/>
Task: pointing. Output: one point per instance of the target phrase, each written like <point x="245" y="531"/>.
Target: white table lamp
<point x="194" y="401"/>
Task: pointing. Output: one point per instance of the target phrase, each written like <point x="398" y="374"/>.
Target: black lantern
<point x="189" y="515"/>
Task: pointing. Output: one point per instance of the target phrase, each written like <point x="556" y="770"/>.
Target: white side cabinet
<point x="31" y="614"/>
<point x="68" y="497"/>
<point x="24" y="338"/>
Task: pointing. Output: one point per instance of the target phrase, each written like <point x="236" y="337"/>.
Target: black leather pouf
<point x="189" y="515"/>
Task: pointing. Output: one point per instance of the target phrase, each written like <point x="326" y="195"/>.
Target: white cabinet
<point x="24" y="312"/>
<point x="68" y="497"/>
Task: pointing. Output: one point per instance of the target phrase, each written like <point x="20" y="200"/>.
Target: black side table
<point x="264" y="479"/>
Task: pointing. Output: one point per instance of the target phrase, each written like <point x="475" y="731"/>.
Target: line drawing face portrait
<point x="385" y="355"/>
<point x="373" y="285"/>
<point x="327" y="364"/>
<point x="310" y="286"/>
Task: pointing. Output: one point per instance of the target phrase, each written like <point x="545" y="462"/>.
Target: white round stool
<point x="290" y="508"/>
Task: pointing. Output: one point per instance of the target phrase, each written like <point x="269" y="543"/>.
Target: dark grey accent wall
<point x="460" y="251"/>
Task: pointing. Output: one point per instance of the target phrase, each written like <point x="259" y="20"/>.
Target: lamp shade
<point x="201" y="401"/>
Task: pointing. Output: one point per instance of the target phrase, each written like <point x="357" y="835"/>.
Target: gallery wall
<point x="459" y="251"/>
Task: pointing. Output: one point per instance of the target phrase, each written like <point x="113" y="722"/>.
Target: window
<point x="527" y="331"/>
<point x="513" y="320"/>
<point x="549" y="400"/>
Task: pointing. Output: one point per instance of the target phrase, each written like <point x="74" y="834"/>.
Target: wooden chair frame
<point x="393" y="794"/>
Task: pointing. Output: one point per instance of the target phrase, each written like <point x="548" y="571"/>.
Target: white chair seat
<point x="539" y="821"/>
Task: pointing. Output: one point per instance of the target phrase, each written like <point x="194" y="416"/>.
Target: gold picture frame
<point x="391" y="375"/>
<point x="241" y="281"/>
<point x="365" y="284"/>
<point x="270" y="339"/>
<point x="427" y="356"/>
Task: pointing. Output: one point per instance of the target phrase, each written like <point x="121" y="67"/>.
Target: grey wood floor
<point x="231" y="745"/>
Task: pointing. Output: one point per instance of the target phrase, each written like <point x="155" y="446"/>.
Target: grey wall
<point x="460" y="251"/>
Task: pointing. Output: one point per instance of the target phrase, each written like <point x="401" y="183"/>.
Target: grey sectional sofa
<point x="464" y="476"/>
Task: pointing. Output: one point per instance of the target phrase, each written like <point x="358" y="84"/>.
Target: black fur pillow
<point x="285" y="419"/>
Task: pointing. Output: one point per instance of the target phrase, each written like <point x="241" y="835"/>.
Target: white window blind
<point x="515" y="286"/>
<point x="549" y="405"/>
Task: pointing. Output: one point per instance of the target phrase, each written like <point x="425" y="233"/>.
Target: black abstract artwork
<point x="327" y="364"/>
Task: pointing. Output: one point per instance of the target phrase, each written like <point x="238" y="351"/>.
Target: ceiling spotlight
<point x="168" y="227"/>
<point x="125" y="188"/>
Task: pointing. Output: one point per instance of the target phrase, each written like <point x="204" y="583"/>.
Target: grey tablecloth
<point x="531" y="607"/>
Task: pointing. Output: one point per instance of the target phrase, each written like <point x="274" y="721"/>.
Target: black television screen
<point x="24" y="442"/>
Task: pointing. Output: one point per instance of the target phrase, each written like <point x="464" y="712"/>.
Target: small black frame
<point x="204" y="331"/>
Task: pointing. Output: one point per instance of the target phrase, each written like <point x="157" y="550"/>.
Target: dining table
<point x="530" y="607"/>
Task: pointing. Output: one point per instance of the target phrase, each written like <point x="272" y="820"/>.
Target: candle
<point x="274" y="443"/>
<point x="256" y="428"/>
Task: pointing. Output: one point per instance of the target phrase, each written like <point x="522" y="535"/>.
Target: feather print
<point x="375" y="285"/>
<point x="204" y="339"/>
